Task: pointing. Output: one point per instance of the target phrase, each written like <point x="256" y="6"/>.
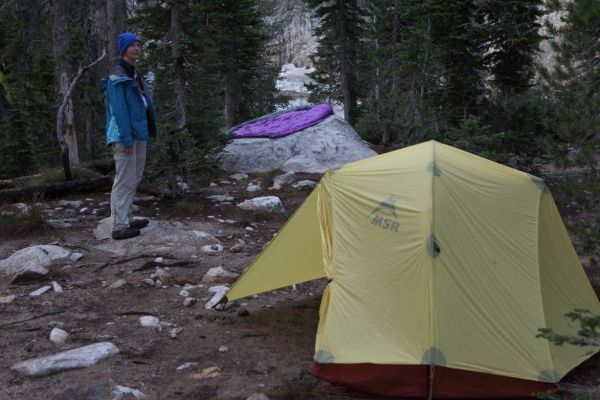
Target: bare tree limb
<point x="60" y="116"/>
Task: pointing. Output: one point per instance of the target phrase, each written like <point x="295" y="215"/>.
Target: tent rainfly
<point x="442" y="266"/>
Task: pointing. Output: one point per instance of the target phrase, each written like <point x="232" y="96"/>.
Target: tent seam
<point x="539" y="266"/>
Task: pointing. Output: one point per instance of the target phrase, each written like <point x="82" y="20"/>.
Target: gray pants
<point x="129" y="171"/>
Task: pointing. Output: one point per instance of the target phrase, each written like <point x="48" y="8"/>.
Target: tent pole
<point x="430" y="373"/>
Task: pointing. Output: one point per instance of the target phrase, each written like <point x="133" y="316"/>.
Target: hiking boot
<point x="125" y="233"/>
<point x="139" y="223"/>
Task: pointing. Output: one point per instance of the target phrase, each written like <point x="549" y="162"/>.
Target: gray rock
<point x="189" y="301"/>
<point x="125" y="393"/>
<point x="156" y="238"/>
<point x="24" y="209"/>
<point x="239" y="177"/>
<point x="149" y="321"/>
<point x="84" y="210"/>
<point x="42" y="255"/>
<point x="7" y="299"/>
<point x="119" y="284"/>
<point x="29" y="272"/>
<point x="159" y="260"/>
<point x="162" y="274"/>
<point x="264" y="203"/>
<point x="40" y="291"/>
<point x="57" y="224"/>
<point x="218" y="198"/>
<point x="56" y="287"/>
<point x="149" y="281"/>
<point x="306" y="184"/>
<point x="218" y="275"/>
<point x="71" y="203"/>
<point x="184" y="293"/>
<point x="258" y="396"/>
<point x="82" y="357"/>
<point x="284" y="179"/>
<point x="243" y="312"/>
<point x="219" y="292"/>
<point x="236" y="248"/>
<point x="261" y="368"/>
<point x="223" y="349"/>
<point x="253" y="187"/>
<point x="58" y="336"/>
<point x="76" y="256"/>
<point x="212" y="249"/>
<point x="186" y="366"/>
<point x="327" y="145"/>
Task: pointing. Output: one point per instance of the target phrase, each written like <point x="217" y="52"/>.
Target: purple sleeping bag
<point x="284" y="124"/>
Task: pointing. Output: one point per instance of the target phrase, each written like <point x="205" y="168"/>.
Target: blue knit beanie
<point x="125" y="39"/>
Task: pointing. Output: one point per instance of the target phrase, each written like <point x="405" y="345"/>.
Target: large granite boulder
<point x="33" y="258"/>
<point x="326" y="145"/>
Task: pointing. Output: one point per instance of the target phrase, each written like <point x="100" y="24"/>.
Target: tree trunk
<point x="116" y="15"/>
<point x="178" y="68"/>
<point x="230" y="100"/>
<point x="60" y="44"/>
<point x="89" y="126"/>
<point x="345" y="65"/>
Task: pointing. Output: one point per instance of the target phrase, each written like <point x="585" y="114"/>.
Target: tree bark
<point x="230" y="99"/>
<point x="116" y="15"/>
<point x="178" y="68"/>
<point x="62" y="73"/>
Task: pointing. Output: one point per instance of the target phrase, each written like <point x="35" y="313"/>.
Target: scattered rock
<point x="243" y="312"/>
<point x="306" y="184"/>
<point x="57" y="224"/>
<point x="77" y="358"/>
<point x="30" y="272"/>
<point x="218" y="198"/>
<point x="149" y="281"/>
<point x="224" y="183"/>
<point x="76" y="256"/>
<point x="239" y="177"/>
<point x="253" y="187"/>
<point x="58" y="336"/>
<point x="184" y="293"/>
<point x="264" y="203"/>
<point x="175" y="331"/>
<point x="237" y="248"/>
<point x="212" y="249"/>
<point x="262" y="368"/>
<point x="186" y="366"/>
<point x="125" y="393"/>
<point x="218" y="275"/>
<point x="162" y="274"/>
<point x="107" y="203"/>
<point x="24" y="209"/>
<point x="159" y="260"/>
<point x="7" y="299"/>
<point x="56" y="287"/>
<point x="189" y="301"/>
<point x="156" y="238"/>
<point x="212" y="184"/>
<point x="42" y="255"/>
<point x="84" y="210"/>
<point x="258" y="396"/>
<point x="71" y="203"/>
<point x="219" y="292"/>
<point x="120" y="283"/>
<point x="40" y="291"/>
<point x="148" y="321"/>
<point x="284" y="179"/>
<point x="207" y="373"/>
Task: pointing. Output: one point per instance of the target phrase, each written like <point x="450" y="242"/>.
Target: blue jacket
<point x="126" y="118"/>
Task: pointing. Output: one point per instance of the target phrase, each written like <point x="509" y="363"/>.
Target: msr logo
<point x="384" y="215"/>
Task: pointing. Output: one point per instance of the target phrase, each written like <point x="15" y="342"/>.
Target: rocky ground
<point x="143" y="303"/>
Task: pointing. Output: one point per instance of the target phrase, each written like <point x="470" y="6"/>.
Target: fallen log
<point x="55" y="189"/>
<point x="9" y="183"/>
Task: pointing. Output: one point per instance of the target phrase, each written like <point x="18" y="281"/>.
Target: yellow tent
<point x="435" y="257"/>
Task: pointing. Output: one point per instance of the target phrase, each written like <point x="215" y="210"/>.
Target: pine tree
<point x="337" y="58"/>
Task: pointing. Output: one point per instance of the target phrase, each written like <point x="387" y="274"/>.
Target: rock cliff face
<point x="293" y="25"/>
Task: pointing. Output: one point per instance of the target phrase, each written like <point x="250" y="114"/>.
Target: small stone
<point x="212" y="249"/>
<point x="249" y="228"/>
<point x="258" y="396"/>
<point x="219" y="292"/>
<point x="56" y="287"/>
<point x="252" y="187"/>
<point x="239" y="177"/>
<point x="284" y="179"/>
<point x="76" y="257"/>
<point x="7" y="299"/>
<point x="119" y="284"/>
<point x="236" y="248"/>
<point x="212" y="184"/>
<point x="184" y="293"/>
<point x="218" y="274"/>
<point x="89" y="200"/>
<point x="84" y="210"/>
<point x="149" y="321"/>
<point x="135" y="208"/>
<point x="40" y="291"/>
<point x="189" y="301"/>
<point x="223" y="349"/>
<point x="58" y="336"/>
<point x="57" y="224"/>
<point x="207" y="373"/>
<point x="306" y="184"/>
<point x="224" y="182"/>
<point x="243" y="312"/>
<point x="175" y="331"/>
<point x="158" y="283"/>
<point x="71" y="203"/>
<point x="186" y="366"/>
<point x="125" y="393"/>
<point x="104" y="204"/>
<point x="95" y="211"/>
<point x="149" y="281"/>
<point x="159" y="260"/>
<point x="261" y="368"/>
<point x="163" y="274"/>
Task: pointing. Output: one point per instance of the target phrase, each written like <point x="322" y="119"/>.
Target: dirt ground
<point x="267" y="351"/>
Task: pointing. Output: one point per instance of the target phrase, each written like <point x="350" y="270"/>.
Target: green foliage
<point x="23" y="224"/>
<point x="588" y="334"/>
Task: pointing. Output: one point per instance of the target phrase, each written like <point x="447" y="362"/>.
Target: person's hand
<point x="128" y="150"/>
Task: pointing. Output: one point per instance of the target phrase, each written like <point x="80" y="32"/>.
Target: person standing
<point x="130" y="122"/>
